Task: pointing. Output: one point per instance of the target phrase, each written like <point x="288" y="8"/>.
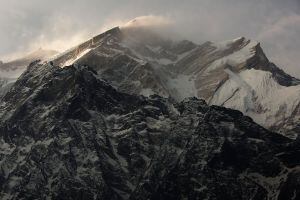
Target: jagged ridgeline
<point x="67" y="134"/>
<point x="235" y="74"/>
<point x="10" y="71"/>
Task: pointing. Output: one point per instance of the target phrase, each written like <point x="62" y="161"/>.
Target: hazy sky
<point x="59" y="24"/>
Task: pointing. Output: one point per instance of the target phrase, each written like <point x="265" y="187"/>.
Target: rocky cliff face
<point x="235" y="74"/>
<point x="65" y="133"/>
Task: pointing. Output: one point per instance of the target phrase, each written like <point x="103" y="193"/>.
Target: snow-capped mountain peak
<point x="137" y="60"/>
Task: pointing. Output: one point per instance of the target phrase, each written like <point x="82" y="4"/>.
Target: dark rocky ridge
<point x="40" y="54"/>
<point x="67" y="134"/>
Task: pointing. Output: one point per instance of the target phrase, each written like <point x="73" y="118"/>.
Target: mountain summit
<point x="235" y="73"/>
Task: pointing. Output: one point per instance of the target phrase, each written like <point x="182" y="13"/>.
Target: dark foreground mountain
<point x="67" y="134"/>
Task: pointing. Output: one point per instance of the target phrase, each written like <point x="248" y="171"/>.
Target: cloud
<point x="281" y="27"/>
<point x="282" y="45"/>
<point x="25" y="25"/>
<point x="57" y="32"/>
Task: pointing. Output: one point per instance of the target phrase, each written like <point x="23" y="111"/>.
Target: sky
<point x="26" y="25"/>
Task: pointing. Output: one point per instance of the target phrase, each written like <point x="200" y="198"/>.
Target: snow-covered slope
<point x="141" y="62"/>
<point x="265" y="100"/>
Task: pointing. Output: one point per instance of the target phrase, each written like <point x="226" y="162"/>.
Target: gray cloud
<point x="57" y="24"/>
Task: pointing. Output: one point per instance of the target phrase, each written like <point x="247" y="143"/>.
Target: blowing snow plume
<point x="150" y="29"/>
<point x="149" y="21"/>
